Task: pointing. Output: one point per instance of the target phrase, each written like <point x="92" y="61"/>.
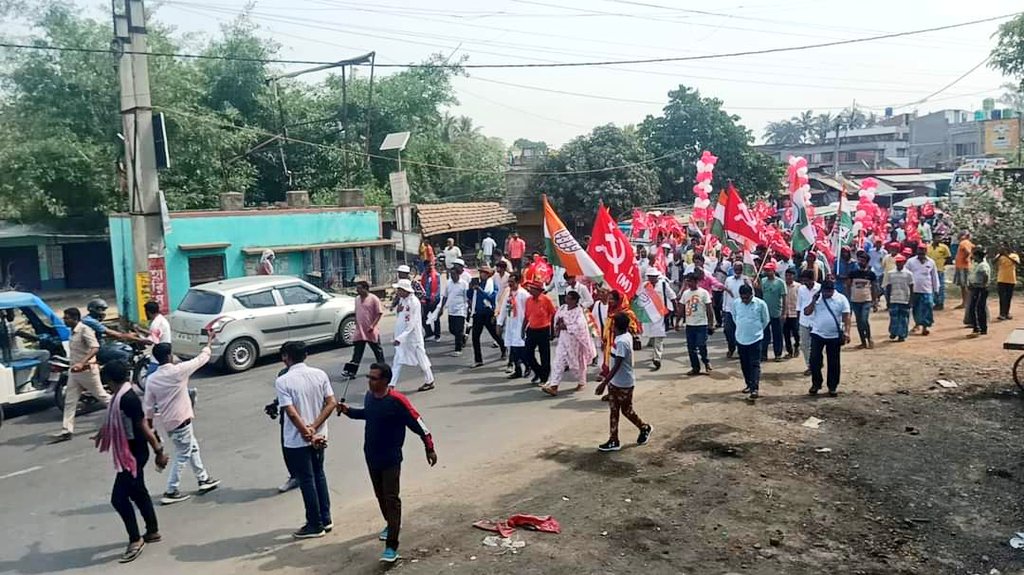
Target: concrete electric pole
<point x="144" y="205"/>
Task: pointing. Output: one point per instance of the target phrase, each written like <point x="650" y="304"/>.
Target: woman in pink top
<point x="368" y="314"/>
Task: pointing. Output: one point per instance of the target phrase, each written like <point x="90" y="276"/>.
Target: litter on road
<point x="812" y="422"/>
<point x="947" y="383"/>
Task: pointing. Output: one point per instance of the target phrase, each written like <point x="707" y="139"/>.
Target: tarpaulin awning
<point x="457" y="217"/>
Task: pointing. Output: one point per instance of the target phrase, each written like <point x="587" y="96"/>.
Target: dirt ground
<point x="902" y="476"/>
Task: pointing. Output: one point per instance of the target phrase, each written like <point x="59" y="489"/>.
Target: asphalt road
<point x="54" y="499"/>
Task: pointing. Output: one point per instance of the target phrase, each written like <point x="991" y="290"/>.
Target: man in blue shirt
<point x="829" y="314"/>
<point x="751" y="317"/>
<point x="387" y="414"/>
<point x="484" y="293"/>
<point x="97" y="309"/>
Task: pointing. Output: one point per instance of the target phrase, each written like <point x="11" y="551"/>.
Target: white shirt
<point x="803" y="299"/>
<point x="488" y="246"/>
<point x="166" y="399"/>
<point x="451" y="254"/>
<point x="926" y="276"/>
<point x="306" y="388"/>
<point x="826" y="323"/>
<point x="586" y="299"/>
<point x="558" y="283"/>
<point x="159" y="329"/>
<point x="458" y="304"/>
<point x="732" y="283"/>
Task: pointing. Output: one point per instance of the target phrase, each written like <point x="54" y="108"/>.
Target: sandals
<point x="132" y="552"/>
<point x="549" y="390"/>
<point x="426" y="387"/>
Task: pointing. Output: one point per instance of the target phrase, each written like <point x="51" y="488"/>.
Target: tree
<point x="690" y="124"/>
<point x="805" y="122"/>
<point x="576" y="196"/>
<point x="994" y="214"/>
<point x="1008" y="55"/>
<point x="823" y="124"/>
<point x="784" y="133"/>
<point x="1013" y="96"/>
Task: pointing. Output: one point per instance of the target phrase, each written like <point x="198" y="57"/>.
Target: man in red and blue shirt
<point x="387" y="414"/>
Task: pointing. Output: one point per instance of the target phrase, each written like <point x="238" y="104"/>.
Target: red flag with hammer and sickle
<point x="611" y="251"/>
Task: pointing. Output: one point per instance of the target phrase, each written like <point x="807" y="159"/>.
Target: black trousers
<point x="482" y="321"/>
<point x="128" y="490"/>
<point x="1005" y="297"/>
<point x="979" y="309"/>
<point x="539" y="340"/>
<point x="716" y="305"/>
<point x="457" y="327"/>
<point x="820" y="349"/>
<point x="791" y="333"/>
<point x="431" y="330"/>
<point x="772" y="338"/>
<point x="360" y="346"/>
<point x="386" y="488"/>
<point x="306" y="465"/>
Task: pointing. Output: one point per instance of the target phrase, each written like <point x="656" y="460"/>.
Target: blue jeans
<point x="899" y="320"/>
<point x="697" y="345"/>
<point x="186" y="451"/>
<point x="730" y="331"/>
<point x="862" y="311"/>
<point x="306" y="465"/>
<point x="772" y="337"/>
<point x="940" y="300"/>
<point x="750" y="363"/>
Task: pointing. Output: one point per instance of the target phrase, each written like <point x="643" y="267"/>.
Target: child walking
<point x="620" y="381"/>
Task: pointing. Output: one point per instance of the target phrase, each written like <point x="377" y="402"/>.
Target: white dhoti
<point x="410" y="349"/>
<point x="415" y="355"/>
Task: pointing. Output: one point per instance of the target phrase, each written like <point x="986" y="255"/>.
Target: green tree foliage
<point x="994" y="214"/>
<point x="691" y="124"/>
<point x="577" y="196"/>
<point x="1008" y="55"/>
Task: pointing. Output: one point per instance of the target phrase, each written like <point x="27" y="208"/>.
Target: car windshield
<point x="204" y="302"/>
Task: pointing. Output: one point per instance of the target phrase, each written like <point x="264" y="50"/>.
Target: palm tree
<point x="805" y="121"/>
<point x="784" y="132"/>
<point x="854" y="118"/>
<point x="823" y="124"/>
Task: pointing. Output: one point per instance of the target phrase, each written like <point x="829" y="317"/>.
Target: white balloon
<point x="856" y="228"/>
<point x="802" y="171"/>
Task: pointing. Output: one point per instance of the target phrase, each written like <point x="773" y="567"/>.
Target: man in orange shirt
<point x="516" y="250"/>
<point x="540" y="312"/>
<point x="962" y="264"/>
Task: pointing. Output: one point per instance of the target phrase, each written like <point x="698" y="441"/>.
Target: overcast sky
<point x="759" y="88"/>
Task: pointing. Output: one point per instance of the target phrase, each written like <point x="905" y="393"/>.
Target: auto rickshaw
<point x="33" y="350"/>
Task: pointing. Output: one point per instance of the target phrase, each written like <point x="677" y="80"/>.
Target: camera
<point x="271" y="409"/>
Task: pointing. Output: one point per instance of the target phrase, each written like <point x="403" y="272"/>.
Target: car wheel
<point x="240" y="355"/>
<point x="58" y="391"/>
<point x="346" y="332"/>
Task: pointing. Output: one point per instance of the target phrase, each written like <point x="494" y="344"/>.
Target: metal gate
<point x="337" y="270"/>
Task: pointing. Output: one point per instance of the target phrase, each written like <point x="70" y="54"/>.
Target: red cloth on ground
<point x="545" y="523"/>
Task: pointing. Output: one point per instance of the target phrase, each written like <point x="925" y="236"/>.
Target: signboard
<point x="1001" y="136"/>
<point x="158" y="283"/>
<point x="142" y="294"/>
<point x="408" y="242"/>
<point x="399" y="188"/>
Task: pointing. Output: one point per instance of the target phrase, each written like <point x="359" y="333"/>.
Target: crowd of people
<point x="767" y="307"/>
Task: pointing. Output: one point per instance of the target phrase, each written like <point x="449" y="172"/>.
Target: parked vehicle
<point x="254" y="316"/>
<point x="20" y="380"/>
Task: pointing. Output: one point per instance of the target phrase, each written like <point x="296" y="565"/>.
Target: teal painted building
<point x="330" y="247"/>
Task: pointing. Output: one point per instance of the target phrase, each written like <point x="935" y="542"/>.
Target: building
<point x="37" y="258"/>
<point x="331" y="247"/>
<point x="943" y="140"/>
<point x="521" y="198"/>
<point x="466" y="223"/>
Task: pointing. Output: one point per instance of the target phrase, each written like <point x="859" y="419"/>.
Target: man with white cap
<point x="405" y="273"/>
<point x="409" y="347"/>
<point x="655" y="328"/>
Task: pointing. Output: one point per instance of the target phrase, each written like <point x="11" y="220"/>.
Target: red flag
<point x="640" y="223"/>
<point x="660" y="261"/>
<point x="739" y="221"/>
<point x="611" y="250"/>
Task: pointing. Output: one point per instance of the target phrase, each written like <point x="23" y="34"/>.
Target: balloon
<point x="860" y="214"/>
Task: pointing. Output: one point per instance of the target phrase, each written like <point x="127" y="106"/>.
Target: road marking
<point x="21" y="472"/>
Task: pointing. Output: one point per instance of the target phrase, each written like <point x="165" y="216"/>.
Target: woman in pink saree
<point x="575" y="348"/>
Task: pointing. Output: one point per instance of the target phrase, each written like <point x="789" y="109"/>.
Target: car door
<point x="302" y="306"/>
<point x="263" y="318"/>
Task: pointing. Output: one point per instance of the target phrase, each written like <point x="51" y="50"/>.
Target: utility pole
<point x="139" y="147"/>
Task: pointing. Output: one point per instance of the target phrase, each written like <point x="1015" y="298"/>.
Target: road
<point x="57" y="495"/>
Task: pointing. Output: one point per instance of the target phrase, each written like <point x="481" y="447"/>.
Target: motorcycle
<point x="132" y="353"/>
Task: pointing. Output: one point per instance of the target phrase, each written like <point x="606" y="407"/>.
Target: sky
<point x="533" y="103"/>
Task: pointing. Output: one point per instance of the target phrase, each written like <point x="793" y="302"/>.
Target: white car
<point x="254" y="316"/>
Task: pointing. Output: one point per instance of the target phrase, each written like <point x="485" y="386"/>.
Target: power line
<point x="266" y="133"/>
<point x="949" y="85"/>
<point x="539" y="65"/>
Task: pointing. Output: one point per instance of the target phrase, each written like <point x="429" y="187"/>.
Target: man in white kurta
<point x="655" y="330"/>
<point x="511" y="312"/>
<point x="409" y="347"/>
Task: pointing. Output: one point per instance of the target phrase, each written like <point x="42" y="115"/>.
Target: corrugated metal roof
<point x="913" y="178"/>
<point x="445" y="218"/>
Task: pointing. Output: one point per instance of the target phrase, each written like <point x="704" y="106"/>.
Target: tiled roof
<point x="444" y="218"/>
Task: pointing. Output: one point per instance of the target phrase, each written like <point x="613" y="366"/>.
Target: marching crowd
<point x="778" y="308"/>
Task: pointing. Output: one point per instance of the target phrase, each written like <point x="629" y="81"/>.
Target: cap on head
<point x="404" y="285"/>
<point x="404" y="269"/>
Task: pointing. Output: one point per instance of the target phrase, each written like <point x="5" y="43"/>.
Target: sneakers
<point x="610" y="445"/>
<point x="389" y="556"/>
<point x="657" y="365"/>
<point x="693" y="372"/>
<point x="747" y="390"/>
<point x="707" y="367"/>
<point x="208" y="484"/>
<point x="287" y="486"/>
<point x="455" y="354"/>
<point x="383" y="535"/>
<point x="328" y="527"/>
<point x="173" y="497"/>
<point x="308" y="532"/>
<point x="753" y="395"/>
<point x="645" y="434"/>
